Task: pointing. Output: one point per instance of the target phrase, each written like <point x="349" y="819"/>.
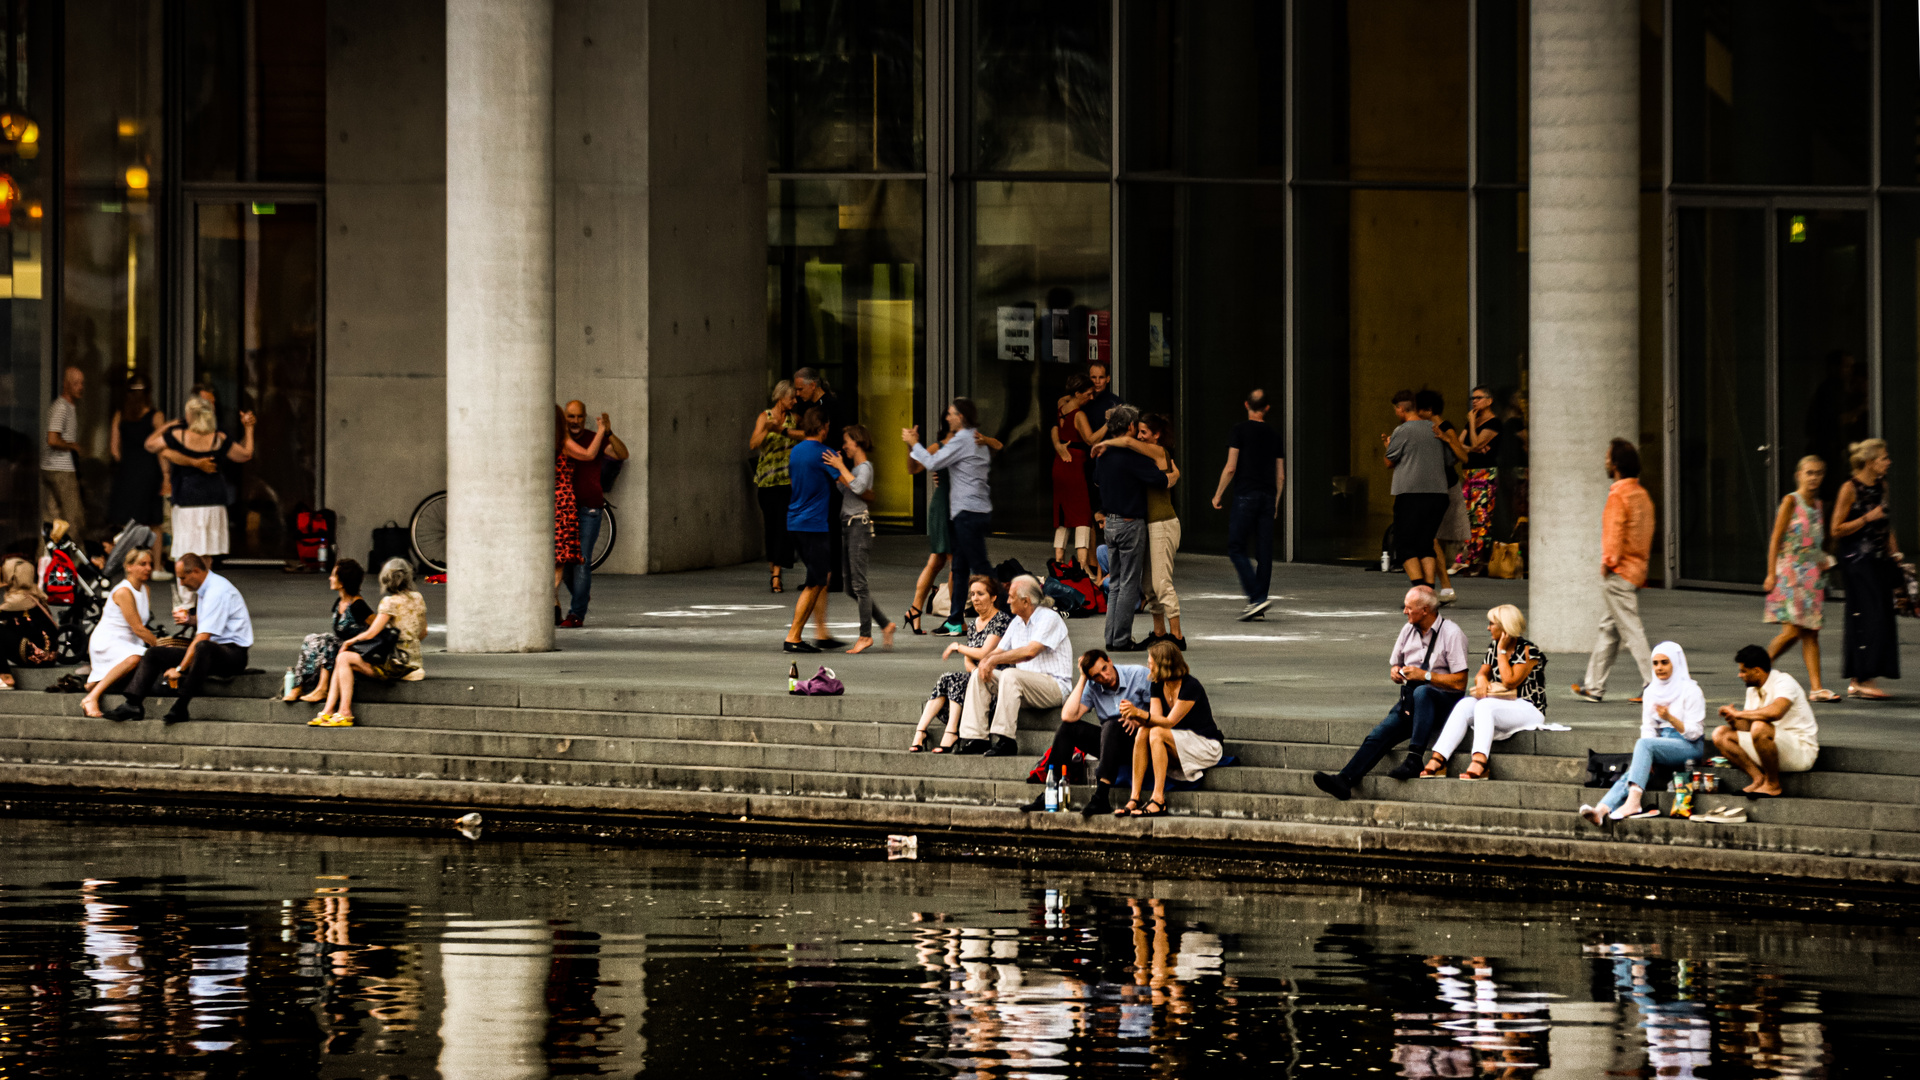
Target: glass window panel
<point x="1382" y="90"/>
<point x="1900" y="358"/>
<point x="846" y="294"/>
<point x="1040" y="260"/>
<point x="1382" y="306"/>
<point x="1042" y="85"/>
<point x="291" y="67"/>
<point x="1206" y="89"/>
<point x="1821" y="299"/>
<point x="26" y="335"/>
<point x="213" y="90"/>
<point x="1503" y="75"/>
<point x="1772" y="91"/>
<point x="844" y="86"/>
<point x="1900" y="93"/>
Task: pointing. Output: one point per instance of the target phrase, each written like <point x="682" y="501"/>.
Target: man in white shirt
<point x="1032" y="666"/>
<point x="59" y="459"/>
<point x="1775" y="733"/>
<point x="223" y="632"/>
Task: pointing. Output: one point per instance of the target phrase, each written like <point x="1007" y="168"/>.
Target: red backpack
<point x="62" y="577"/>
<point x="313" y="530"/>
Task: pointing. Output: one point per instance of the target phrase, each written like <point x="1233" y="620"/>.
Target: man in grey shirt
<point x="1418" y="457"/>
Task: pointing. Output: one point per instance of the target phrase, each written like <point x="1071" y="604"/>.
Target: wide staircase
<point x="452" y="746"/>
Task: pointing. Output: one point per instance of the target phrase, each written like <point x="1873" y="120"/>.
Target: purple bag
<point x="823" y="684"/>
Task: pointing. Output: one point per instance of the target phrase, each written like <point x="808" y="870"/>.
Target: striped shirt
<point x="63" y="421"/>
<point x="1055" y="658"/>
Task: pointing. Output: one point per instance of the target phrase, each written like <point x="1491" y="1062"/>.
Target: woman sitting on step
<point x="1509" y="695"/>
<point x="349" y="614"/>
<point x="389" y="648"/>
<point x="950" y="691"/>
<point x="28" y="630"/>
<point x="1673" y="726"/>
<point x="1177" y="738"/>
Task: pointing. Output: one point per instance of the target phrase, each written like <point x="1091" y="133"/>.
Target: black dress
<point x="1866" y="563"/>
<point x="136" y="478"/>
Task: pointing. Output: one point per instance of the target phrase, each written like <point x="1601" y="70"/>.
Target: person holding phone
<point x="1509" y="695"/>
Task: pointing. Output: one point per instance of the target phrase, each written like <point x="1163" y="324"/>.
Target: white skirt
<point x="199" y="530"/>
<point x="1197" y="754"/>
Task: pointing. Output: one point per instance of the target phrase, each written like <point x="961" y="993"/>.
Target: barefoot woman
<point x="122" y="637"/>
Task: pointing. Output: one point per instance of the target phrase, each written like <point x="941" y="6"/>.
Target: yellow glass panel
<point x="886" y="401"/>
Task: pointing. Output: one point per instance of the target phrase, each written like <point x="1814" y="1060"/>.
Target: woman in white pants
<point x="1509" y="695"/>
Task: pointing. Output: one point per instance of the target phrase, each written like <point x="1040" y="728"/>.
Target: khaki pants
<point x="1163" y="539"/>
<point x="1011" y="687"/>
<point x="60" y="501"/>
<point x="1621" y="623"/>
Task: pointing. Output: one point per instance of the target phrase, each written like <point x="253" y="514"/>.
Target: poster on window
<point x="1159" y="341"/>
<point x="1057" y="332"/>
<point x="1016" y="332"/>
<point x="1099" y="337"/>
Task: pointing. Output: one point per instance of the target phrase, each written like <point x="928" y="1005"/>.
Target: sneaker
<point x="797" y="646"/>
<point x="950" y="629"/>
<point x="1447" y="596"/>
<point x="1585" y="694"/>
<point x="1178" y="642"/>
<point x="1254" y="611"/>
<point x="572" y="622"/>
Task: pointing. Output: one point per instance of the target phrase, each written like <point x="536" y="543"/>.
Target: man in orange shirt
<point x="1626" y="540"/>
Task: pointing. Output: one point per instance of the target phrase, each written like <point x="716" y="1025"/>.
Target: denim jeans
<point x="1127" y="537"/>
<point x="1416" y="725"/>
<point x="1669" y="748"/>
<point x="1251" y="518"/>
<point x="969" y="556"/>
<point x="579" y="576"/>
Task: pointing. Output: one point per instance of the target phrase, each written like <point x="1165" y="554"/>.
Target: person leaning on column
<point x="1626" y="541"/>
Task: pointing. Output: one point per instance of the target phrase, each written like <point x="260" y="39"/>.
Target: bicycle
<point x="428" y="531"/>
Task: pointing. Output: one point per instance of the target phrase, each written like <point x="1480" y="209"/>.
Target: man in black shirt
<point x="1125" y="477"/>
<point x="1254" y="459"/>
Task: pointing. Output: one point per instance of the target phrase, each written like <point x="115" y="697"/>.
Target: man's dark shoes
<point x="825" y="644"/>
<point x="1409" y="768"/>
<point x="176" y="715"/>
<point x="1130" y="646"/>
<point x="970" y="746"/>
<point x="1038" y="805"/>
<point x="798" y="646"/>
<point x="1097" y="805"/>
<point x="126" y="712"/>
<point x="1333" y="786"/>
<point x="1001" y="746"/>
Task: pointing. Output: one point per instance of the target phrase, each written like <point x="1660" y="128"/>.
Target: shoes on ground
<point x="1254" y="611"/>
<point x="1724" y="815"/>
<point x="126" y="712"/>
<point x="1409" y="768"/>
<point x="1130" y="646"/>
<point x="1038" y="805"/>
<point x="1447" y="596"/>
<point x="1001" y="746"/>
<point x="1587" y="695"/>
<point x="950" y="629"/>
<point x="1098" y="805"/>
<point x="798" y="646"/>
<point x="970" y="746"/>
<point x="1333" y="786"/>
<point x="176" y="715"/>
<point x="330" y="720"/>
<point x="572" y="622"/>
<point x="826" y="643"/>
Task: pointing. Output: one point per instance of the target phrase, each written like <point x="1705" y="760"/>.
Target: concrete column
<point x="500" y="387"/>
<point x="1584" y="235"/>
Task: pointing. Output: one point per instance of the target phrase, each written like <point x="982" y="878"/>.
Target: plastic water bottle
<point x="288" y="684"/>
<point x="1053" y="791"/>
<point x="1386" y="564"/>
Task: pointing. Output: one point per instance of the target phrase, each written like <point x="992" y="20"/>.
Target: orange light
<point x="127" y="129"/>
<point x="34" y="211"/>
<point x="136" y="179"/>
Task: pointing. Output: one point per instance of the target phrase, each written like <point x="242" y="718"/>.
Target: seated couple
<point x="1774" y="733"/>
<point x="222" y="633"/>
<point x="1429" y="662"/>
<point x="1160" y="709"/>
<point x="1019" y="658"/>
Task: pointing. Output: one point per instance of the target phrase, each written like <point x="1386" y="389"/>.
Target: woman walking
<point x="1482" y="443"/>
<point x="1869" y="558"/>
<point x="138" y="482"/>
<point x="856" y="491"/>
<point x="1797" y="572"/>
<point x="773" y="436"/>
<point x="1072" y="505"/>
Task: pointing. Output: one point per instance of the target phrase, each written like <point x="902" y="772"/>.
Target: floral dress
<point x="1800" y="579"/>
<point x="319" y="651"/>
<point x="953" y="684"/>
<point x="566" y="515"/>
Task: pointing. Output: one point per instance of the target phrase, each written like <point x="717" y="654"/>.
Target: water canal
<point x="169" y="951"/>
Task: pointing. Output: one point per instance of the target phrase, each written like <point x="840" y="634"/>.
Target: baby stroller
<point x="72" y="581"/>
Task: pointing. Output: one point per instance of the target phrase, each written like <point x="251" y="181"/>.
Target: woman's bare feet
<point x="886" y="635"/>
<point x="317" y="694"/>
<point x="860" y="646"/>
<point x="91" y="707"/>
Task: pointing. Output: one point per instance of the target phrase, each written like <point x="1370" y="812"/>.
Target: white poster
<point x="1016" y="333"/>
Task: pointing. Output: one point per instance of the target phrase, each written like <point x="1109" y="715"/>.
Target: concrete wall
<point x="386" y="262"/>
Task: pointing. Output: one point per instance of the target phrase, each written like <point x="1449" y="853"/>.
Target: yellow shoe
<point x="338" y="720"/>
<point x="323" y="720"/>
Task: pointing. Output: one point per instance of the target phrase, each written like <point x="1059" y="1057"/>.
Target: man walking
<point x="1626" y="539"/>
<point x="590" y="498"/>
<point x="1255" y="462"/>
<point x="1125" y="477"/>
<point x="1418" y="459"/>
<point x="813" y="393"/>
<point x="59" y="460"/>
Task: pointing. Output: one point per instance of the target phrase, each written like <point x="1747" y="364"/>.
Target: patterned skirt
<point x="317" y="654"/>
<point x="953" y="686"/>
<point x="566" y="516"/>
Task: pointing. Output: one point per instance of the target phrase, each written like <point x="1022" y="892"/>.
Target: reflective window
<point x="253" y="90"/>
<point x="1900" y="94"/>
<point x="1900" y="363"/>
<point x="1042" y="85"/>
<point x="27" y="194"/>
<point x="1382" y="90"/>
<point x="1206" y="90"/>
<point x="844" y="86"/>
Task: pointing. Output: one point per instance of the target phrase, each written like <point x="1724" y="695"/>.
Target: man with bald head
<point x="589" y="497"/>
<point x="1429" y="664"/>
<point x="59" y="459"/>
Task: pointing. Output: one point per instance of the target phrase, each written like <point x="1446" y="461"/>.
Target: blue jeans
<point x="1251" y="518"/>
<point x="1669" y="748"/>
<point x="579" y="577"/>
<point x="969" y="557"/>
<point x="1416" y="725"/>
<point x="1127" y="537"/>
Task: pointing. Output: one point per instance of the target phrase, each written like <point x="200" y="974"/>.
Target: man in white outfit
<point x="1033" y="666"/>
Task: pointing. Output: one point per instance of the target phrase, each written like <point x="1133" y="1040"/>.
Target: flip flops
<point x="1643" y="812"/>
<point x="1724" y="815"/>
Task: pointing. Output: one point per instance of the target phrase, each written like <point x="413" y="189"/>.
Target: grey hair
<point x="1426" y="597"/>
<point x="810" y="375"/>
<point x="1122" y="417"/>
<point x="1028" y="586"/>
<point x="780" y="390"/>
<point x="396" y="577"/>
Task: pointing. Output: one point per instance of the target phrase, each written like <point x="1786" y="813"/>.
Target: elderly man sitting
<point x="1100" y="716"/>
<point x="1429" y="662"/>
<point x="1775" y="733"/>
<point x="223" y="634"/>
<point x="1033" y="666"/>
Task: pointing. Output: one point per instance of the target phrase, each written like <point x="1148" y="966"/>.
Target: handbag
<point x="1505" y="562"/>
<point x="823" y="684"/>
<point x="1604" y="770"/>
<point x="378" y="649"/>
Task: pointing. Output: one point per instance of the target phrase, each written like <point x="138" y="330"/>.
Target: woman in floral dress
<point x="1796" y="584"/>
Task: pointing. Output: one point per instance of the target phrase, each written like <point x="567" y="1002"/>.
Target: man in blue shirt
<point x="223" y="634"/>
<point x="810" y="520"/>
<point x="1100" y="715"/>
<point x="970" y="499"/>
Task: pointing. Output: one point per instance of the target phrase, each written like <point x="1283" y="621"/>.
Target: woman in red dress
<point x="1072" y="507"/>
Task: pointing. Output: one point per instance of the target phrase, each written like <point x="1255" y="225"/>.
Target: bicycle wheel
<point x="603" y="544"/>
<point x="428" y="530"/>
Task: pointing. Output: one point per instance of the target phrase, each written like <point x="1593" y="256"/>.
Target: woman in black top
<point x="28" y="633"/>
<point x="349" y="616"/>
<point x="1869" y="561"/>
<point x="1482" y="441"/>
<point x="1176" y="734"/>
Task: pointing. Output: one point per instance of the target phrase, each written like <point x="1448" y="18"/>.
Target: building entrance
<point x="1770" y="365"/>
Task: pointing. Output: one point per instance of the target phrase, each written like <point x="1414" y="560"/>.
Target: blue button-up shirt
<point x="967" y="463"/>
<point x="222" y="613"/>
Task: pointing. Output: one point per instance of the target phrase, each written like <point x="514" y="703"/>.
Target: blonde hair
<point x="780" y="390"/>
<point x="1811" y="460"/>
<point x="1165" y="661"/>
<point x="1508" y="618"/>
<point x="200" y="416"/>
<point x="1864" y="451"/>
<point x="133" y="556"/>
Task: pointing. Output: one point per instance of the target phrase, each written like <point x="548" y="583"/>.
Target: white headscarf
<point x="1678" y="692"/>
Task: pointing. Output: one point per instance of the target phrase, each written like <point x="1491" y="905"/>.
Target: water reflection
<point x="168" y="952"/>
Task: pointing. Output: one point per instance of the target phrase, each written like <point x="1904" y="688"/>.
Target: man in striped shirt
<point x="1032" y="666"/>
<point x="59" y="459"/>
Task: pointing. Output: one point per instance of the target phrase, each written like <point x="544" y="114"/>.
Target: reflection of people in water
<point x="1691" y="1014"/>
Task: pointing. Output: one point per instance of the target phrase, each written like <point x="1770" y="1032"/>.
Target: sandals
<point x="919" y="743"/>
<point x="912" y="619"/>
<point x="947" y="744"/>
<point x="1133" y="805"/>
<point x="332" y="720"/>
<point x="1435" y="770"/>
<point x="1149" y="811"/>
<point x="1470" y="774"/>
<point x="773" y="582"/>
<point x="1867" y="695"/>
<point x="1823" y="695"/>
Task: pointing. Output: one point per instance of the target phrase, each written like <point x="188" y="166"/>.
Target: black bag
<point x="390" y="541"/>
<point x="1604" y="770"/>
<point x="1407" y="688"/>
<point x="379" y="648"/>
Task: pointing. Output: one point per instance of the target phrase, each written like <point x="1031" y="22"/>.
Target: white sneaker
<point x="163" y="575"/>
<point x="1447" y="596"/>
<point x="1254" y="611"/>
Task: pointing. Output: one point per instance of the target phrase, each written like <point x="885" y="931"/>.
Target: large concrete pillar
<point x="1584" y="235"/>
<point x="500" y="390"/>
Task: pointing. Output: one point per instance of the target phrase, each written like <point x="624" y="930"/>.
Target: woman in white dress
<point x="121" y="637"/>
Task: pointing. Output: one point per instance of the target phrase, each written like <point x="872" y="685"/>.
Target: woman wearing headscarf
<point x="1673" y="718"/>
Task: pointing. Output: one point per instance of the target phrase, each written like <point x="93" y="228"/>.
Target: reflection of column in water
<point x="495" y="1018"/>
<point x="1580" y="1044"/>
<point x="622" y="1000"/>
<point x="114" y="949"/>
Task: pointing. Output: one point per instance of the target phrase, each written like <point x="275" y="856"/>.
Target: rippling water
<point x="160" y="951"/>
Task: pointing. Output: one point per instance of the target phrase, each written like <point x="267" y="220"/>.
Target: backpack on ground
<point x="390" y="541"/>
<point x="1093" y="599"/>
<point x="313" y="533"/>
